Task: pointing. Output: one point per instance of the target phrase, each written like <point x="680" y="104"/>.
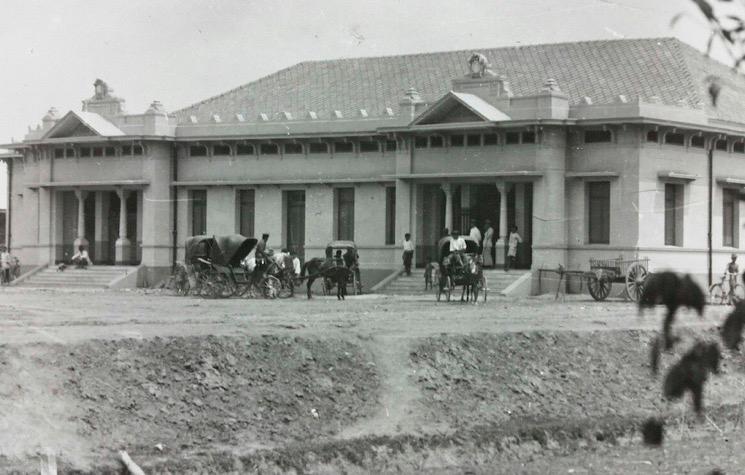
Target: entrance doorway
<point x="295" y="224"/>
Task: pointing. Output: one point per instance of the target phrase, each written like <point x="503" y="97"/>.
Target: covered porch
<point x="104" y="218"/>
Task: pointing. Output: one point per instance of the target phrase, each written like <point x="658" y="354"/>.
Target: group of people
<point x="458" y="245"/>
<point x="260" y="256"/>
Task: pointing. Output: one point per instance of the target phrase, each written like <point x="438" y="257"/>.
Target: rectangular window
<point x="457" y="140"/>
<point x="391" y="145"/>
<point x="674" y="139"/>
<point x="653" y="136"/>
<point x="597" y="136"/>
<point x="316" y="147"/>
<point x="420" y="142"/>
<point x="345" y="214"/>
<point x="221" y="150"/>
<point x="598" y="207"/>
<point x="197" y="151"/>
<point x="343" y="147"/>
<point x="293" y="148"/>
<point x="721" y="145"/>
<point x="137" y="150"/>
<point x="368" y="147"/>
<point x="70" y="153"/>
<point x="246" y="209"/>
<point x="730" y="218"/>
<point x="98" y="152"/>
<point x="59" y="153"/>
<point x="673" y="214"/>
<point x="126" y="150"/>
<point x="512" y="138"/>
<point x="436" y="141"/>
<point x="245" y="149"/>
<point x="698" y="141"/>
<point x="528" y="137"/>
<point x="85" y="152"/>
<point x="198" y="200"/>
<point x="269" y="149"/>
<point x="473" y="140"/>
<point x="738" y="147"/>
<point x="490" y="139"/>
<point x="390" y="215"/>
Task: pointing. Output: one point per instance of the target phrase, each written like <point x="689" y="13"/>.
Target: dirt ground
<point x="372" y="384"/>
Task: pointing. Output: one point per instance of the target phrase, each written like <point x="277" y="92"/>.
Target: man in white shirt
<point x="408" y="254"/>
<point x="457" y="248"/>
<point x="475" y="233"/>
<point x="4" y="266"/>
<point x="81" y="259"/>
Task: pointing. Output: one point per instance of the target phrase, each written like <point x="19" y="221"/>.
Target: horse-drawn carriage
<point x="215" y="266"/>
<point x="344" y="253"/>
<point x="468" y="274"/>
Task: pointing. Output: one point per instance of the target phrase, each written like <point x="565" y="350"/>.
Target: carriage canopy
<point x="472" y="247"/>
<point x="221" y="250"/>
<point x="345" y="245"/>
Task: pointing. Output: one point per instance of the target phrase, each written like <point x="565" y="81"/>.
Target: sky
<point x="183" y="51"/>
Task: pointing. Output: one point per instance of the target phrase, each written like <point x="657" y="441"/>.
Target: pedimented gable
<point x="458" y="107"/>
<point x="82" y="124"/>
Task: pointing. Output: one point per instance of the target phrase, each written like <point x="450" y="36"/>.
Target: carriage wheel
<point x="599" y="287"/>
<point x="288" y="288"/>
<point x="635" y="276"/>
<point x="224" y="288"/>
<point x="270" y="287"/>
<point x="483" y="285"/>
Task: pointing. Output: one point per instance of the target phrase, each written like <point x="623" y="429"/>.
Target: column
<point x="122" y="246"/>
<point x="501" y="245"/>
<point x="101" y="233"/>
<point x="447" y="188"/>
<point x="81" y="240"/>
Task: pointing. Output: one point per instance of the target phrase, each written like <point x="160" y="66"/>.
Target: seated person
<point x="81" y="259"/>
<point x="338" y="259"/>
<point x="351" y="259"/>
<point x="457" y="248"/>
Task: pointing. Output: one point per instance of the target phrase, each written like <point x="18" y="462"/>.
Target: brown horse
<point x="327" y="269"/>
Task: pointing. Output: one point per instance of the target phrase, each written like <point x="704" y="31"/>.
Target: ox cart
<point x="603" y="273"/>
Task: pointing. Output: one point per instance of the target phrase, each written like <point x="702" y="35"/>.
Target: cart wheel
<point x="483" y="286"/>
<point x="635" y="277"/>
<point x="270" y="287"/>
<point x="599" y="287"/>
<point x="224" y="288"/>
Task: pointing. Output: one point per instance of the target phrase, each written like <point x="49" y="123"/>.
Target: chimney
<point x="156" y="120"/>
<point x="49" y="119"/>
<point x="103" y="102"/>
<point x="412" y="104"/>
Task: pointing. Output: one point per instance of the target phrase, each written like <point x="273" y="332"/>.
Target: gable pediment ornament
<point x="478" y="66"/>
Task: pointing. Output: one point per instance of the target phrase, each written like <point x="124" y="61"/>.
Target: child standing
<point x="512" y="241"/>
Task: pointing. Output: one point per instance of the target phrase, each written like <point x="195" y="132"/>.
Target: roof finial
<point x="551" y="85"/>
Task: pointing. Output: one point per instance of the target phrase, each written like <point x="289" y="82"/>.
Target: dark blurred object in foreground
<point x="731" y="331"/>
<point x="673" y="292"/>
<point x="653" y="431"/>
<point x="691" y="372"/>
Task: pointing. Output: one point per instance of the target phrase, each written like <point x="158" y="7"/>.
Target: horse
<point x="469" y="275"/>
<point x="324" y="268"/>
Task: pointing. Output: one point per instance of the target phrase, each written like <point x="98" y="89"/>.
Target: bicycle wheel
<point x="717" y="295"/>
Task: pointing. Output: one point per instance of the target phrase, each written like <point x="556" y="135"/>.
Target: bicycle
<point x="735" y="293"/>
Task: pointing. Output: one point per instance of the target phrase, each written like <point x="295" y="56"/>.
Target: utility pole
<point x="710" y="203"/>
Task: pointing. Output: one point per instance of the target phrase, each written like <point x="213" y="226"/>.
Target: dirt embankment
<point x="279" y="404"/>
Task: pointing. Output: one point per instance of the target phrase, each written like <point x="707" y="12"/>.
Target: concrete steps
<point x="95" y="277"/>
<point x="496" y="281"/>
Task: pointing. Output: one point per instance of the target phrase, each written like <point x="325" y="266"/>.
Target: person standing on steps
<point x="512" y="241"/>
<point x="408" y="254"/>
<point x="488" y="244"/>
<point x="475" y="233"/>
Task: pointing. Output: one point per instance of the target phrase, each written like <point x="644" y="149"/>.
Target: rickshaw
<point x="215" y="263"/>
<point x="446" y="279"/>
<point x="350" y="259"/>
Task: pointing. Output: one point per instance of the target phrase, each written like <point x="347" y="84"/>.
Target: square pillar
<point x="81" y="239"/>
<point x="101" y="233"/>
<point x="123" y="246"/>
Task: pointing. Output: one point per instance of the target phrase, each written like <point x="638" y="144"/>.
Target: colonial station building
<point x="593" y="149"/>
